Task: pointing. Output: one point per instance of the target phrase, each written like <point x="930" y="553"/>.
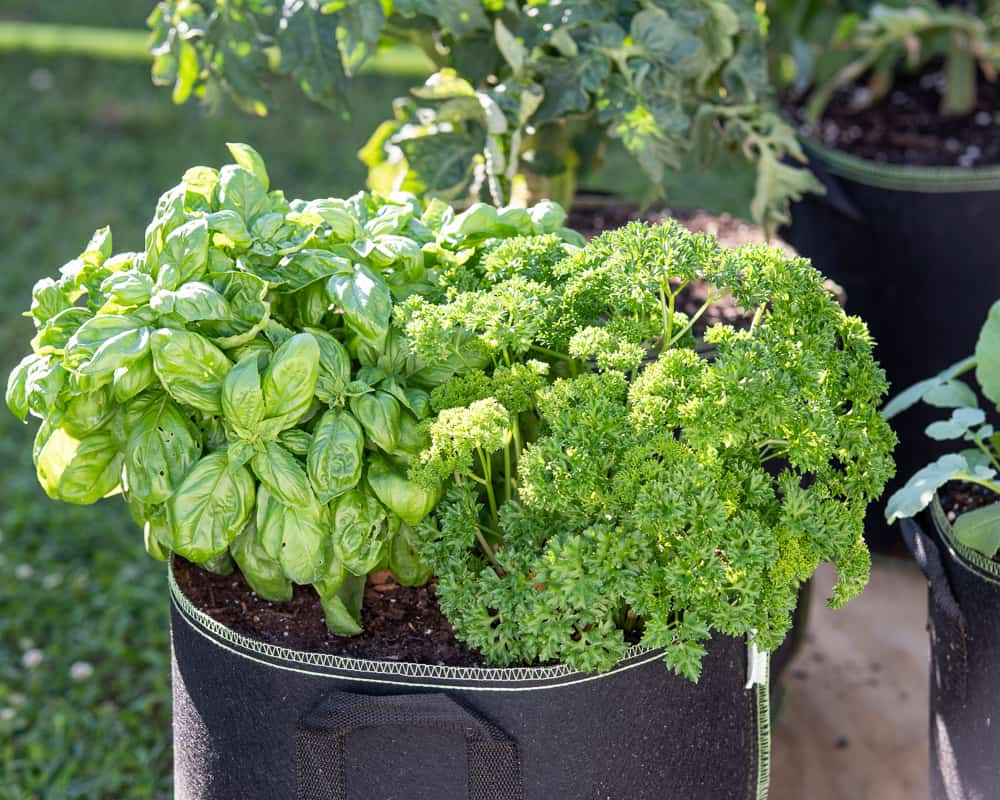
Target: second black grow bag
<point x="915" y="249"/>
<point x="964" y="626"/>
<point x="254" y="721"/>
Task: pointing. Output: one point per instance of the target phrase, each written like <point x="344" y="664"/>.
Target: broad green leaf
<point x="359" y="26"/>
<point x="243" y="398"/>
<point x="186" y="250"/>
<point x="334" y="367"/>
<point x="306" y="266"/>
<point x="87" y="412"/>
<point x="249" y="159"/>
<point x="335" y="454"/>
<point x="210" y="508"/>
<point x="79" y="470"/>
<point x="47" y="299"/>
<point x="17" y="392"/>
<point x="980" y="529"/>
<point x="988" y="355"/>
<point x="514" y="52"/>
<point x="295" y="441"/>
<point x="190" y="368"/>
<point x="130" y="288"/>
<point x="404" y="562"/>
<point x="950" y="394"/>
<point x="912" y="395"/>
<point x="379" y="413"/>
<point x="119" y="351"/>
<point x="162" y="446"/>
<point x="342" y="605"/>
<point x="82" y="345"/>
<point x="193" y="301"/>
<point x="283" y="475"/>
<point x="361" y="530"/>
<point x="242" y="191"/>
<point x="962" y="419"/>
<point x="365" y="301"/>
<point x="134" y="378"/>
<point x="294" y="535"/>
<point x="918" y="492"/>
<point x="310" y="52"/>
<point x="403" y="497"/>
<point x="56" y="334"/>
<point x="264" y="574"/>
<point x="290" y="382"/>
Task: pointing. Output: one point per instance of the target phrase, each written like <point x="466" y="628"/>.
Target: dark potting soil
<point x="400" y="623"/>
<point x="405" y="623"/>
<point x="906" y="127"/>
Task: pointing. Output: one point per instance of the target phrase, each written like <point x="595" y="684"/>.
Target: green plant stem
<point x="508" y="478"/>
<point x="488" y="483"/>
<point x="488" y="552"/>
<point x="667" y="304"/>
<point x="988" y="453"/>
<point x="758" y="316"/>
<point x="697" y="315"/>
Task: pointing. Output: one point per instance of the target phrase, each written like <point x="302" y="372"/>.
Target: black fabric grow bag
<point x="915" y="248"/>
<point x="963" y="598"/>
<point x="254" y="721"/>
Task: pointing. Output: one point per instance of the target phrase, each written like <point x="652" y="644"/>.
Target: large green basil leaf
<point x="404" y="561"/>
<point x="55" y="334"/>
<point x="295" y="440"/>
<point x="409" y="500"/>
<point x="243" y="398"/>
<point x="79" y="470"/>
<point x="364" y="298"/>
<point x="290" y="382"/>
<point x="48" y="298"/>
<point x="378" y="412"/>
<point x="94" y="332"/>
<point x="334" y="367"/>
<point x="249" y="159"/>
<point x="242" y="191"/>
<point x="186" y="250"/>
<point x="335" y="454"/>
<point x="294" y="535"/>
<point x="130" y="288"/>
<point x="88" y="411"/>
<point x="155" y="527"/>
<point x="306" y="266"/>
<point x="133" y="379"/>
<point x="191" y="368"/>
<point x="193" y="301"/>
<point x="361" y="530"/>
<point x="282" y="474"/>
<point x="17" y="386"/>
<point x="211" y="506"/>
<point x="310" y="303"/>
<point x="45" y="381"/>
<point x="229" y="224"/>
<point x="341" y="600"/>
<point x="400" y="252"/>
<point x="119" y="351"/>
<point x="264" y="574"/>
<point x="335" y="214"/>
<point x="161" y="447"/>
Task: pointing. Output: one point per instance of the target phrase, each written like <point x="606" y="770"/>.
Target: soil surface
<point x="405" y="623"/>
<point x="957" y="497"/>
<point x="906" y="127"/>
<point x="401" y="623"/>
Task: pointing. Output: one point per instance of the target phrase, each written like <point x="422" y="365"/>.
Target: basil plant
<point x="242" y="384"/>
<point x="976" y="456"/>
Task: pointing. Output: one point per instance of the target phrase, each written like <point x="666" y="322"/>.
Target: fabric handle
<point x="494" y="766"/>
<point x="948" y="626"/>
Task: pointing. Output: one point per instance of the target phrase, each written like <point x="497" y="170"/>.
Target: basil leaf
<point x="342" y="604"/>
<point x="87" y="412"/>
<point x="55" y="334"/>
<point x="411" y="501"/>
<point x="361" y="531"/>
<point x="365" y="301"/>
<point x="294" y="535"/>
<point x="264" y="574"/>
<point x="249" y="159"/>
<point x="119" y="351"/>
<point x="190" y="368"/>
<point x="130" y="288"/>
<point x="79" y="470"/>
<point x="17" y="381"/>
<point x="290" y="382"/>
<point x="162" y="446"/>
<point x="242" y="191"/>
<point x="243" y="398"/>
<point x="48" y="298"/>
<point x="94" y="332"/>
<point x="335" y="455"/>
<point x="186" y="251"/>
<point x="134" y="378"/>
<point x="379" y="414"/>
<point x="404" y="561"/>
<point x="211" y="506"/>
<point x="334" y="367"/>
<point x="282" y="474"/>
<point x="193" y="301"/>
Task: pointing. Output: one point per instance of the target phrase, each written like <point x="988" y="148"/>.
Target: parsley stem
<point x="758" y="315"/>
<point x="488" y="552"/>
<point x="508" y="479"/>
<point x="488" y="483"/>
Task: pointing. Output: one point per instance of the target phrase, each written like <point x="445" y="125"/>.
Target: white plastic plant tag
<point x="757" y="663"/>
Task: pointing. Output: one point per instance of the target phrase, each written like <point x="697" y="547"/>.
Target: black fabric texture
<point x="260" y="726"/>
<point x="921" y="269"/>
<point x="965" y="650"/>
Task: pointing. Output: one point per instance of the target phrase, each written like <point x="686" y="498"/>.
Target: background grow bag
<point x="963" y="598"/>
<point x="258" y="722"/>
<point x="915" y="248"/>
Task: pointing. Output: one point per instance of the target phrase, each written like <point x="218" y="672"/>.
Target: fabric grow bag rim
<point x="901" y="177"/>
<point x="969" y="559"/>
<point x="284" y="657"/>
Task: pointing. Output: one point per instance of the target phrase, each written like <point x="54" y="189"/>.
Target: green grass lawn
<point x="84" y="657"/>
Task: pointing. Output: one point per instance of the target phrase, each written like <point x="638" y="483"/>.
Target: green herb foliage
<point x="526" y="96"/>
<point x="610" y="478"/>
<point x="977" y="459"/>
<point x="241" y="383"/>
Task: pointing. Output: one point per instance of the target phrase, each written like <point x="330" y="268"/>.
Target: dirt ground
<point x="854" y="722"/>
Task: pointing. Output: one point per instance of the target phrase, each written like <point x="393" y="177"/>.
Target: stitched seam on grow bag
<point x="979" y="565"/>
<point x="377" y="666"/>
<point x="903" y="178"/>
<point x="201" y="622"/>
<point x="764" y="733"/>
